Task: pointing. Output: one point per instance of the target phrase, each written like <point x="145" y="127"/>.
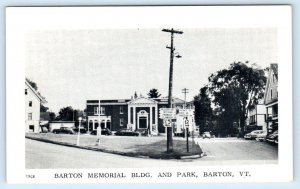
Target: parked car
<point x="273" y="138"/>
<point x="262" y="136"/>
<point x="64" y="130"/>
<point x="126" y="132"/>
<point x="206" y="135"/>
<point x="182" y="134"/>
<point x="82" y="130"/>
<point x="253" y="134"/>
<point x="104" y="131"/>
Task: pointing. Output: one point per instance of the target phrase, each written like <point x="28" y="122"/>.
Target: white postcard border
<point x="21" y="20"/>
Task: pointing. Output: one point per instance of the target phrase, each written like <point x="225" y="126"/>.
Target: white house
<point x="257" y="118"/>
<point x="32" y="109"/>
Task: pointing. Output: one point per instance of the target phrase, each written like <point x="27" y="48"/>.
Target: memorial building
<point x="136" y="114"/>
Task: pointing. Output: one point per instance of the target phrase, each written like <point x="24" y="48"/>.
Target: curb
<point x="190" y="157"/>
<point x="129" y="154"/>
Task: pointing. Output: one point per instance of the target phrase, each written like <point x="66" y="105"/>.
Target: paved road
<point x="40" y="155"/>
<point x="237" y="149"/>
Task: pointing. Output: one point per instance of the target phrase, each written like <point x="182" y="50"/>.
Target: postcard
<point x="149" y="94"/>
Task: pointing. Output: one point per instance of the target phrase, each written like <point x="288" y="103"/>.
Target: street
<point x="237" y="149"/>
<point x="40" y="155"/>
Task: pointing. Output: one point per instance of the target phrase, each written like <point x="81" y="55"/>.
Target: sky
<point x="72" y="66"/>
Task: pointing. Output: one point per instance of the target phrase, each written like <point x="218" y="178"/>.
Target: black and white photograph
<point x="147" y="100"/>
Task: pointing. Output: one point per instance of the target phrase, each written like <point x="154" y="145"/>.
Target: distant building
<point x="257" y="118"/>
<point x="137" y="114"/>
<point x="58" y="124"/>
<point x="271" y="99"/>
<point x="33" y="102"/>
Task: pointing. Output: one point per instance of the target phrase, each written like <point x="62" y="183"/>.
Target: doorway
<point x="143" y="122"/>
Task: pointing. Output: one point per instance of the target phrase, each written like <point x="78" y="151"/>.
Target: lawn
<point x="152" y="147"/>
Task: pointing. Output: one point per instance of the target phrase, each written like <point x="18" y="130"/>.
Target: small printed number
<point x="30" y="176"/>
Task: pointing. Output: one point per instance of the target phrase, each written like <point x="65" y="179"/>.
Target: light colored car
<point x="253" y="134"/>
<point x="262" y="136"/>
<point x="206" y="135"/>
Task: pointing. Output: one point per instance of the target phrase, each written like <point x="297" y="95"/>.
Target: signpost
<point x="167" y="113"/>
<point x="186" y="124"/>
<point x="167" y="122"/>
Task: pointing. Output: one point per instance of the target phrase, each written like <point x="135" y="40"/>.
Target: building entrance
<point x="143" y="123"/>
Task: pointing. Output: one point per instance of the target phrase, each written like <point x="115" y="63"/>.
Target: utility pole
<point x="185" y="91"/>
<point x="172" y="49"/>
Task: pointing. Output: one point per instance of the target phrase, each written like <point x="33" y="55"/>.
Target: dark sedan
<point x="64" y="130"/>
<point x="126" y="132"/>
<point x="273" y="138"/>
<point x="105" y="131"/>
<point x="82" y="130"/>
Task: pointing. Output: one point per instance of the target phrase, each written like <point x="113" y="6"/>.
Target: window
<point x="31" y="128"/>
<point x="102" y="110"/>
<point x="121" y="110"/>
<point x="121" y="122"/>
<point x="25" y="91"/>
<point x="30" y="104"/>
<point x="96" y="112"/>
<point x="29" y="116"/>
<point x="271" y="94"/>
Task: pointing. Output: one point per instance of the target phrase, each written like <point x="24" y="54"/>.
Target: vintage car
<point x="206" y="135"/>
<point x="253" y="134"/>
<point x="126" y="132"/>
<point x="82" y="129"/>
<point x="273" y="138"/>
<point x="64" y="130"/>
<point x="104" y="131"/>
<point x="262" y="136"/>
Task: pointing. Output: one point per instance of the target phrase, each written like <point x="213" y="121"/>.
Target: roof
<point x="142" y="100"/>
<point x="35" y="92"/>
<point x="274" y="67"/>
<point x="162" y="100"/>
<point x="165" y="100"/>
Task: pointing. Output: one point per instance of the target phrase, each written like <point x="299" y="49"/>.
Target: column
<point x="129" y="115"/>
<point x="134" y="119"/>
<point x="150" y="123"/>
<point x="93" y="124"/>
<point x="88" y="124"/>
<point x="105" y="121"/>
<point x="156" y="112"/>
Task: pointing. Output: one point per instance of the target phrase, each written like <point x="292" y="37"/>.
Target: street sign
<point x="167" y="122"/>
<point x="185" y="112"/>
<point x="167" y="113"/>
<point x="186" y="122"/>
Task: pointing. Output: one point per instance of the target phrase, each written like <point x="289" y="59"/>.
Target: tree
<point x="135" y="95"/>
<point x="43" y="108"/>
<point x="52" y="116"/>
<point x="66" y="114"/>
<point x="203" y="110"/>
<point x="153" y="93"/>
<point x="235" y="90"/>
